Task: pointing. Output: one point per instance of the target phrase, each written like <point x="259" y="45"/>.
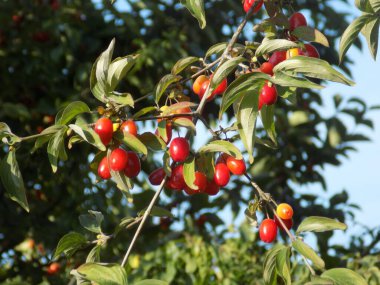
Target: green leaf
<point x="364" y="6"/>
<point x="246" y="117"/>
<point x="157" y="212"/>
<point x="189" y="173"/>
<point x="118" y="68"/>
<point x="152" y="141"/>
<point x="375" y="4"/>
<point x="94" y="254"/>
<point x="131" y="141"/>
<point x="344" y="276"/>
<point x="123" y="183"/>
<point x="104" y="274"/>
<point x="184" y="122"/>
<point x="70" y="112"/>
<point x="311" y="67"/>
<point x="221" y="146"/>
<point x="351" y="33"/>
<point x="12" y="179"/>
<point x="196" y="8"/>
<point x="92" y="221"/>
<point x="69" y="244"/>
<point x="267" y="117"/>
<point x="270" y="46"/>
<point x="371" y="33"/>
<point x="298" y="118"/>
<point x="177" y="106"/>
<point x="248" y="82"/>
<point x="151" y="282"/>
<point x="306" y="251"/>
<point x="316" y="280"/>
<point x="310" y="34"/>
<point x="224" y="70"/>
<point x="123" y="99"/>
<point x="89" y="135"/>
<point x="144" y="111"/>
<point x="283" y="265"/>
<point x="320" y="224"/>
<point x="216" y="49"/>
<point x="183" y="63"/>
<point x="164" y="84"/>
<point x="286" y="80"/>
<point x="56" y="148"/>
<point x="270" y="273"/>
<point x="166" y="164"/>
<point x="48" y="133"/>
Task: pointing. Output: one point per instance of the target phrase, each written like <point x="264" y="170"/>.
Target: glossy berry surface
<point x="260" y="103"/>
<point x="200" y="181"/>
<point x="297" y="20"/>
<point x="284" y="211"/>
<point x="221" y="175"/>
<point x="156" y="177"/>
<point x="129" y="127"/>
<point x="118" y="159"/>
<point x="211" y="188"/>
<point x="277" y="57"/>
<point x="198" y="83"/>
<point x="176" y="180"/>
<point x="53" y="268"/>
<point x="133" y="167"/>
<point x="268" y="230"/>
<point x="179" y="149"/>
<point x="248" y="4"/>
<point x="236" y="166"/>
<point x="288" y="223"/>
<point x="309" y="51"/>
<point x="268" y="94"/>
<point x="267" y="68"/>
<point x="104" y="128"/>
<point x="221" y="87"/>
<point x="103" y="169"/>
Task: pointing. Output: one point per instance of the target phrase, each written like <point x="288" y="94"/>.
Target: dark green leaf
<point x="118" y="68"/>
<point x="157" y="212"/>
<point x="320" y="224"/>
<point x="306" y="251"/>
<point x="287" y="80"/>
<point x="224" y="70"/>
<point x="364" y="6"/>
<point x="371" y="33"/>
<point x="92" y="221"/>
<point x="164" y="83"/>
<point x="69" y="244"/>
<point x="132" y="142"/>
<point x="152" y="141"/>
<point x="183" y="63"/>
<point x="267" y="117"/>
<point x="196" y="8"/>
<point x="71" y="111"/>
<point x="270" y="273"/>
<point x="310" y="34"/>
<point x="144" y="111"/>
<point x="344" y="276"/>
<point x="56" y="148"/>
<point x="221" y="146"/>
<point x="89" y="135"/>
<point x="375" y="4"/>
<point x="283" y="265"/>
<point x="122" y="99"/>
<point x="270" y="46"/>
<point x="104" y="274"/>
<point x="94" y="254"/>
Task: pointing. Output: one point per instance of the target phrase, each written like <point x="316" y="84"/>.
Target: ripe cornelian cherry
<point x="221" y="87"/>
<point x="179" y="149"/>
<point x="267" y="68"/>
<point x="53" y="268"/>
<point x="104" y="169"/>
<point x="182" y="111"/>
<point x="156" y="177"/>
<point x="236" y="166"/>
<point x="176" y="180"/>
<point x="217" y="91"/>
<point x="248" y="4"/>
<point x="268" y="94"/>
<point x="297" y="20"/>
<point x="277" y="57"/>
<point x="104" y="128"/>
<point x="211" y="188"/>
<point x="198" y="83"/>
<point x="268" y="230"/>
<point x="133" y="166"/>
<point x="129" y="126"/>
<point x="221" y="174"/>
<point x="118" y="159"/>
<point x="288" y="223"/>
<point x="169" y="133"/>
<point x="284" y="211"/>
<point x="309" y="51"/>
<point x="200" y="181"/>
<point x="260" y="103"/>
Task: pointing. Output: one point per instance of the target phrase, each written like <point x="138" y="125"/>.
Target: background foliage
<point x="47" y="49"/>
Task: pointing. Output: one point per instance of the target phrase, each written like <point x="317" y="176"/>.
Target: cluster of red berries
<point x="202" y="83"/>
<point x="119" y="159"/>
<point x="268" y="227"/>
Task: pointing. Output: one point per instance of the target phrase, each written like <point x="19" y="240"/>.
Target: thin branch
<point x="171" y="116"/>
<point x="206" y="124"/>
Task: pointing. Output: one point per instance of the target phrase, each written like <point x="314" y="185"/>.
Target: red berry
<point x="156" y="177"/>
<point x="133" y="166"/>
<point x="260" y="103"/>
<point x="203" y="89"/>
<point x="248" y="4"/>
<point x="129" y="127"/>
<point x="268" y="230"/>
<point x="267" y="68"/>
<point x="211" y="188"/>
<point x="221" y="87"/>
<point x="104" y="169"/>
<point x="277" y="57"/>
<point x="222" y="174"/>
<point x="236" y="166"/>
<point x="288" y="223"/>
<point x="53" y="268"/>
<point x="169" y="133"/>
<point x="198" y="83"/>
<point x="176" y="180"/>
<point x="297" y="20"/>
<point x="309" y="51"/>
<point x="118" y="159"/>
<point x="104" y="128"/>
<point x="268" y="94"/>
<point x="179" y="149"/>
<point x="200" y="181"/>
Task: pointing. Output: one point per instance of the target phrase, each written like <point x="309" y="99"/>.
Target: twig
<point x="171" y="116"/>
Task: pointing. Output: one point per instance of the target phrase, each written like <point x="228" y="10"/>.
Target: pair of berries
<point x="268" y="227"/>
<point x="104" y="128"/>
<point x="226" y="164"/>
<point x="202" y="83"/>
<point x="120" y="160"/>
